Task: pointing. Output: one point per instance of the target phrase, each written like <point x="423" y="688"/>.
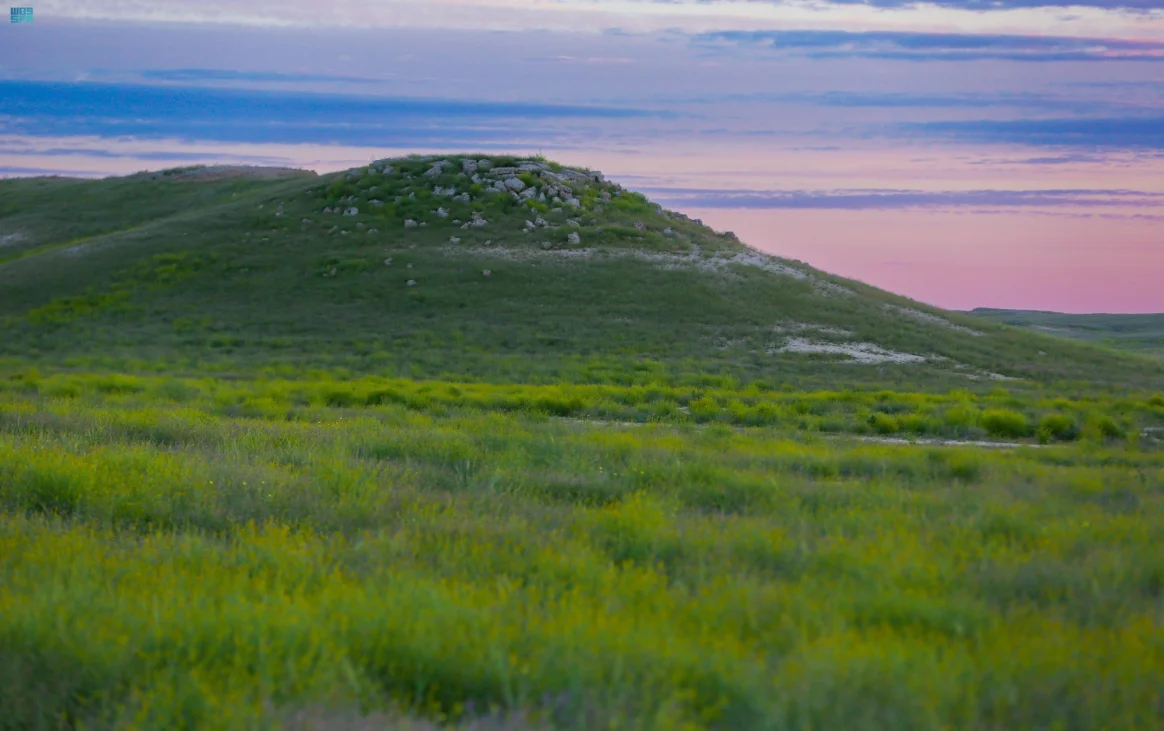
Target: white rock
<point x="454" y="240"/>
<point x="388" y="262"/>
<point x="411" y="282"/>
<point x="573" y="203"/>
<point x="487" y="273"/>
<point x="463" y="198"/>
<point x="572" y="223"/>
<point x="539" y="221"/>
<point x="353" y="211"/>
<point x="547" y="245"/>
<point x="530" y="225"/>
<point x="469" y="167"/>
<point x="529" y="194"/>
<point x="484" y="164"/>
<point x="514" y="184"/>
<point x="410" y="223"/>
<point x="442" y="213"/>
<point x="574" y="238"/>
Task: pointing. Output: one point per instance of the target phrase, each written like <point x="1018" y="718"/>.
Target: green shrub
<point x="1005" y="423"/>
<point x="884" y="423"/>
<point x="1057" y="426"/>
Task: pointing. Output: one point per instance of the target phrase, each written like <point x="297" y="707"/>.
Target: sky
<point x="965" y="153"/>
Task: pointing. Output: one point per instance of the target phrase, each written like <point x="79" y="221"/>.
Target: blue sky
<point x="1035" y="124"/>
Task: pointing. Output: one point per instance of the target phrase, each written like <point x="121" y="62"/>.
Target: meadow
<point x="174" y="559"/>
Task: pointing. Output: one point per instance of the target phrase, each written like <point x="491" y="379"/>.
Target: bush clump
<point x="1057" y="427"/>
<point x="1005" y="423"/>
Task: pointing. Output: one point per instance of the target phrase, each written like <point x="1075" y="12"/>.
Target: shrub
<point x="1005" y="423"/>
<point x="1057" y="426"/>
<point x="884" y="423"/>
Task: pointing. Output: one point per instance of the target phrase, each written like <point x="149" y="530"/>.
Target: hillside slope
<point x="1137" y="333"/>
<point x="490" y="269"/>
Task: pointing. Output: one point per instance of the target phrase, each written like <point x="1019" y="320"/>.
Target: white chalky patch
<point x="858" y="352"/>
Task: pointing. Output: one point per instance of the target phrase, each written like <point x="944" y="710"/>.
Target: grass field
<point x="638" y="482"/>
<point x="1138" y="333"/>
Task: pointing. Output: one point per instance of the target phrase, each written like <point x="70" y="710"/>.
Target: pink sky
<point x="962" y="157"/>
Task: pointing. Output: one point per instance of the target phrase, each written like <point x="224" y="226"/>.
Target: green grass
<point x="249" y="479"/>
<point x="1137" y="333"/>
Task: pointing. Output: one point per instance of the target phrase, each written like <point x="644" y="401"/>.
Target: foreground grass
<point x="179" y="565"/>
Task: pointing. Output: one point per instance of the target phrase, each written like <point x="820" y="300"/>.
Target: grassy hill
<point x="1138" y="333"/>
<point x="247" y="273"/>
<point x="267" y="465"/>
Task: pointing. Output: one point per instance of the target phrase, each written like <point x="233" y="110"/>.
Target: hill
<point x="586" y="282"/>
<point x="1137" y="333"/>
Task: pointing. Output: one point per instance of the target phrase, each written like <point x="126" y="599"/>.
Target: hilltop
<point x="479" y="268"/>
<point x="1138" y="333"/>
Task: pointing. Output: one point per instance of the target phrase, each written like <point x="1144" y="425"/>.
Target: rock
<point x="306" y="221"/>
<point x="360" y="226"/>
<point x="556" y="210"/>
<point x="423" y="224"/>
<point x="388" y="262"/>
<point x="640" y="226"/>
<point x="542" y="197"/>
<point x="486" y="273"/>
<point x="332" y="272"/>
<point x="484" y="164"/>
<point x="353" y="211"/>
<point x="469" y="167"/>
<point x="327" y="210"/>
<point x="541" y="222"/>
<point x="667" y="231"/>
<point x="333" y="229"/>
<point x="572" y="223"/>
<point x="605" y="195"/>
<point x="410" y="223"/>
<point x="547" y="245"/>
<point x="373" y="230"/>
<point x="411" y="282"/>
<point x="437" y="168"/>
<point x="441" y="213"/>
<point x="488" y="243"/>
<point x="463" y="198"/>
<point x="376" y="203"/>
<point x="529" y="194"/>
<point x="529" y="225"/>
<point x="454" y="240"/>
<point x="573" y="202"/>
<point x="456" y="222"/>
<point x="574" y="239"/>
<point x="408" y="266"/>
<point x="514" y="184"/>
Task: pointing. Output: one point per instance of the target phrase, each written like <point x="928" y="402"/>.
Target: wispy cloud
<point x="887" y="199"/>
<point x="910" y="46"/>
<point x="58" y="109"/>
<point x="204" y="75"/>
<point x="1111" y="132"/>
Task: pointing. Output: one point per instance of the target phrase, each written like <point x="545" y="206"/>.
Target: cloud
<point x="888" y="199"/>
<point x="910" y="46"/>
<point x="1144" y="132"/>
<point x="60" y="109"/>
<point x="202" y="75"/>
<point x="980" y="5"/>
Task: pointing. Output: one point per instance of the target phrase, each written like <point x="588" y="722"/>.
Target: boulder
<point x="574" y="238"/>
<point x="528" y="193"/>
<point x="463" y="198"/>
<point x="353" y="211"/>
<point x="441" y="213"/>
<point x="640" y="226"/>
<point x="410" y="223"/>
<point x="546" y="245"/>
<point x="515" y="184"/>
<point x="376" y="203"/>
<point x="484" y="164"/>
<point x="486" y="273"/>
<point x="454" y="240"/>
<point x="573" y="202"/>
<point x="411" y="282"/>
<point x="469" y="167"/>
